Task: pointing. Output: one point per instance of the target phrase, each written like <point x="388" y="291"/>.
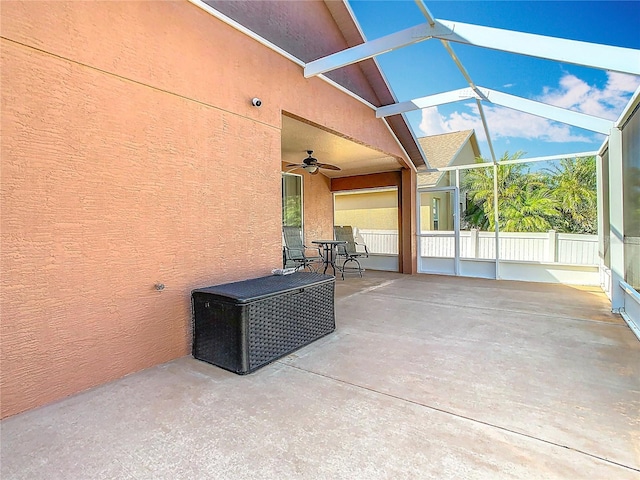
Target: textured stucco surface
<point x="131" y="156"/>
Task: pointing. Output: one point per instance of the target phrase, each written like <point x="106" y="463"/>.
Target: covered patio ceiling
<point x="352" y="158"/>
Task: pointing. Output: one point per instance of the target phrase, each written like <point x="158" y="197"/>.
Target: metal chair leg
<point x="351" y="259"/>
<point x="359" y="266"/>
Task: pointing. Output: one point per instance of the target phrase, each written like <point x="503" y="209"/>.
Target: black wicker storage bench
<point x="245" y="325"/>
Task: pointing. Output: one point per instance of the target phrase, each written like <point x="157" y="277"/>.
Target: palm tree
<point x="529" y="211"/>
<point x="477" y="183"/>
<point x="524" y="200"/>
<point x="573" y="183"/>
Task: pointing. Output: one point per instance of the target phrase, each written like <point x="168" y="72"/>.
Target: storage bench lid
<point x="258" y="288"/>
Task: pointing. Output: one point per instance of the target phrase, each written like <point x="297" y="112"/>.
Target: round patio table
<point x="329" y="252"/>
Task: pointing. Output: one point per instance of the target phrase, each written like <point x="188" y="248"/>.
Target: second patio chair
<point x="350" y="251"/>
<point x="297" y="253"/>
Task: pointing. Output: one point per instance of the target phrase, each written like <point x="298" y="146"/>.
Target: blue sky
<point x="426" y="68"/>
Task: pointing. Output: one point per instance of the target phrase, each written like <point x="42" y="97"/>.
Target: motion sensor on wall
<point x="256" y="102"/>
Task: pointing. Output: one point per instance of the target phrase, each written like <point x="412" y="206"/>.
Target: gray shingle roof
<point x="441" y="150"/>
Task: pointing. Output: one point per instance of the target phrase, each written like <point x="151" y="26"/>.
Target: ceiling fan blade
<point x="327" y="166"/>
<point x="297" y="165"/>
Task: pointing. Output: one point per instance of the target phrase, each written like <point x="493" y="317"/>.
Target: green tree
<point x="525" y="203"/>
<point x="292" y="211"/>
<point x="573" y="183"/>
<point x="531" y="210"/>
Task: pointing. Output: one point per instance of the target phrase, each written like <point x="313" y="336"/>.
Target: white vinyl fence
<point x="547" y="247"/>
<point x="384" y="242"/>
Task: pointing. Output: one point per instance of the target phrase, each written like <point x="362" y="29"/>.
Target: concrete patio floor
<point x="425" y="377"/>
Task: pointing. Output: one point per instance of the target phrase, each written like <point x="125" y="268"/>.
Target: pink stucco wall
<point x="131" y="156"/>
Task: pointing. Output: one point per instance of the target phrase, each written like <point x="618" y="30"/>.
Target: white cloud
<point x="620" y="82"/>
<point x="608" y="102"/>
<point x="432" y="122"/>
<point x="571" y="93"/>
<point x="502" y="122"/>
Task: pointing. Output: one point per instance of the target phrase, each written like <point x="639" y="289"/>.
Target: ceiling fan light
<point x="310" y="168"/>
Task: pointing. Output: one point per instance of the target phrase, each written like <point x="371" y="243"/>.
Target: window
<point x="291" y="200"/>
<point x="436" y="214"/>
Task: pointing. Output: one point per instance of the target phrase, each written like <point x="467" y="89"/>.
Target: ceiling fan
<point x="311" y="165"/>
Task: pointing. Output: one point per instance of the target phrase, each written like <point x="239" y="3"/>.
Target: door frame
<point x="456" y="224"/>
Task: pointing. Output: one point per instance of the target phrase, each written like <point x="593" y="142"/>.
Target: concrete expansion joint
<point x="463" y="417"/>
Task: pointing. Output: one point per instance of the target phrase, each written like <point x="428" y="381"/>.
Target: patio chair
<point x="350" y="251"/>
<point x="297" y="253"/>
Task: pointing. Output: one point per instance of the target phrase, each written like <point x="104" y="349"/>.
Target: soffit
<point x="372" y="72"/>
<point x="306" y="30"/>
<point x="353" y="37"/>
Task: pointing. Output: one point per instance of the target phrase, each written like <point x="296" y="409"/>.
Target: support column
<point x="600" y="204"/>
<point x="602" y="182"/>
<point x="496" y="218"/>
<point x="408" y="233"/>
<point x="616" y="219"/>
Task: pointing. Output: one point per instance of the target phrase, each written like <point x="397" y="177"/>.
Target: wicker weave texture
<point x="217" y="332"/>
<point x="240" y="334"/>
<point x="284" y="323"/>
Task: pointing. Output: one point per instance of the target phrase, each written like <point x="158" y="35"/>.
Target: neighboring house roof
<point x="292" y="26"/>
<point x="444" y="151"/>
